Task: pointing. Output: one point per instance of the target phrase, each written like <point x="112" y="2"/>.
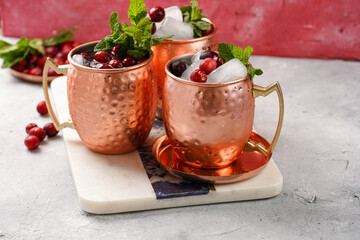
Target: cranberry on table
<point x="102" y="66"/>
<point x="141" y="60"/>
<point x="219" y="61"/>
<point x="23" y="62"/>
<point x="128" y="61"/>
<point x="26" y="71"/>
<point x="157" y="14"/>
<point x="177" y="68"/>
<point x="66" y="48"/>
<point x="36" y="71"/>
<point x="50" y="130"/>
<point x="198" y="76"/>
<point x="208" y="54"/>
<point x="41" y="108"/>
<point x="30" y="126"/>
<point x="18" y="67"/>
<point x="102" y="56"/>
<point x="153" y="29"/>
<point x="51" y="51"/>
<point x="115" y="50"/>
<point x="207" y="32"/>
<point x="61" y="55"/>
<point x="31" y="142"/>
<point x="38" y="132"/>
<point x="208" y="65"/>
<point x="115" y="63"/>
<point x="41" y="62"/>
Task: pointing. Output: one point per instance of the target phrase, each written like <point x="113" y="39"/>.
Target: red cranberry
<point x="36" y="71"/>
<point x="141" y="60"/>
<point x="50" y="130"/>
<point x="75" y="44"/>
<point x="61" y="55"/>
<point x="115" y="50"/>
<point x="30" y="126"/>
<point x="153" y="29"/>
<point x="157" y="14"/>
<point x="23" y="62"/>
<point x="32" y="58"/>
<point x="31" y="142"/>
<point x="26" y="71"/>
<point x="41" y="108"/>
<point x="66" y="49"/>
<point x="198" y="76"/>
<point x="102" y="56"/>
<point x="19" y="68"/>
<point x="85" y="54"/>
<point x="219" y="61"/>
<point x="59" y="61"/>
<point x="52" y="72"/>
<point x="128" y="61"/>
<point x="38" y="132"/>
<point x="177" y="68"/>
<point x="208" y="65"/>
<point x="208" y="54"/>
<point x="207" y="32"/>
<point x="51" y="51"/>
<point x="115" y="63"/>
<point x="103" y="66"/>
<point x="41" y="62"/>
<point x="67" y="61"/>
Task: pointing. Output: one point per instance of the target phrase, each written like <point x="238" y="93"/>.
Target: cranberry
<point x="102" y="56"/>
<point x="36" y="71"/>
<point x="26" y="71"/>
<point x="115" y="63"/>
<point x="115" y="50"/>
<point x="141" y="60"/>
<point x="85" y="54"/>
<point x="66" y="49"/>
<point x="30" y="126"/>
<point x="219" y="61"/>
<point x="52" y="72"/>
<point x="19" y="68"/>
<point x="153" y="29"/>
<point x="75" y="44"/>
<point x="51" y="51"/>
<point x="50" y="130"/>
<point x="67" y="61"/>
<point x="157" y="14"/>
<point x="103" y="66"/>
<point x="32" y="58"/>
<point x="59" y="61"/>
<point x="23" y="62"/>
<point x="177" y="68"/>
<point x="208" y="54"/>
<point x="128" y="61"/>
<point x="31" y="142"/>
<point x="198" y="76"/>
<point x="207" y="32"/>
<point x="41" y="108"/>
<point x="38" y="132"/>
<point x="41" y="62"/>
<point x="208" y="65"/>
<point x="61" y="55"/>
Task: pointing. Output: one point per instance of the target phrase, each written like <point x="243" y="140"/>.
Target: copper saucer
<point x="249" y="163"/>
<point x="30" y="78"/>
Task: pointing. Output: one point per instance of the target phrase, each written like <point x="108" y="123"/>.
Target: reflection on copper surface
<point x="247" y="164"/>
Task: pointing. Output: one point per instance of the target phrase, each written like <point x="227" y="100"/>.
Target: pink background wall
<point x="293" y="28"/>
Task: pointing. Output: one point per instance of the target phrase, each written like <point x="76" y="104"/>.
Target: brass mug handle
<point x="62" y="69"/>
<point x="264" y="91"/>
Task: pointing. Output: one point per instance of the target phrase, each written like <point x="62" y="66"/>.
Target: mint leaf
<point x="203" y="25"/>
<point x="137" y="54"/>
<point x="192" y="15"/>
<point x="225" y="51"/>
<point x="238" y="53"/>
<point x="253" y="71"/>
<point x="16" y="56"/>
<point x="62" y="36"/>
<point x="186" y="12"/>
<point x="101" y="46"/>
<point x="136" y="11"/>
<point x="157" y="40"/>
<point x="195" y="12"/>
<point x="37" y="45"/>
<point x="4" y="44"/>
<point x="114" y="23"/>
<point x="247" y="53"/>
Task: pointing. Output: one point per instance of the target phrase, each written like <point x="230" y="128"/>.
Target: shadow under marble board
<point x="134" y="181"/>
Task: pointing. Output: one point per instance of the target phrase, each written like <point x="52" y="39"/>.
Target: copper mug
<point x="208" y="124"/>
<point x="112" y="110"/>
<point x="166" y="50"/>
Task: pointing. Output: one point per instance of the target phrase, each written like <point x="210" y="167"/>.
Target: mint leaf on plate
<point x="62" y="36"/>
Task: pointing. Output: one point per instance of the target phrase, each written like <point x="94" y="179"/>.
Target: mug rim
<point x="198" y="84"/>
<point x="212" y="34"/>
<point x="114" y="70"/>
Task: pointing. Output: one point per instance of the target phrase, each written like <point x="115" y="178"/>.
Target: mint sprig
<point x="192" y="15"/>
<point x="13" y="53"/>
<point x="136" y="39"/>
<point x="229" y="51"/>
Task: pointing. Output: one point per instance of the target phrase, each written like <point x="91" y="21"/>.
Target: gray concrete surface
<point x="318" y="155"/>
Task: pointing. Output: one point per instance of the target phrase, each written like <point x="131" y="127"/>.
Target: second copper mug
<point x="209" y="124"/>
<point x="112" y="110"/>
<point x="166" y="50"/>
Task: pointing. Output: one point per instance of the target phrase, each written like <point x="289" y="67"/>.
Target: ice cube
<point x="81" y="59"/>
<point x="196" y="56"/>
<point x="174" y="12"/>
<point x="190" y="69"/>
<point x="171" y="26"/>
<point x="229" y="71"/>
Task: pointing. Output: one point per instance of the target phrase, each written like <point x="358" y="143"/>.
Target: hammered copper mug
<point x="209" y="124"/>
<point x="112" y="110"/>
<point x="166" y="50"/>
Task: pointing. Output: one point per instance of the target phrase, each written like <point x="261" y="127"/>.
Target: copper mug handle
<point x="62" y="69"/>
<point x="264" y="91"/>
